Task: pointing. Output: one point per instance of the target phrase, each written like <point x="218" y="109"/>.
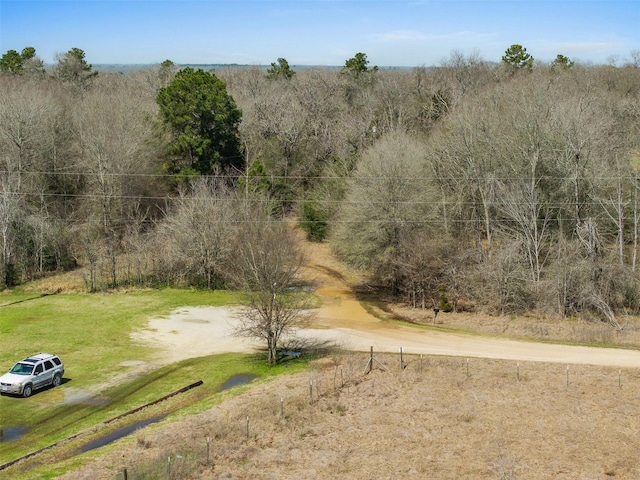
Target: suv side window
<point x="48" y="365"/>
<point x="38" y="369"/>
<point x="56" y="360"/>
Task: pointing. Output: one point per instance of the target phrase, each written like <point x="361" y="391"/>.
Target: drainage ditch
<point x="14" y="433"/>
<point x="231" y="382"/>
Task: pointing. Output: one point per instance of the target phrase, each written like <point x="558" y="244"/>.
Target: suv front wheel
<point x="27" y="391"/>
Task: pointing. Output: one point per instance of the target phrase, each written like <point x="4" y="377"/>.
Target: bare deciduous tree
<point x="389" y="197"/>
<point x="500" y="281"/>
<point x="21" y="131"/>
<point x="8" y="212"/>
<point x="198" y="232"/>
<point x="113" y="132"/>
<point x="266" y="267"/>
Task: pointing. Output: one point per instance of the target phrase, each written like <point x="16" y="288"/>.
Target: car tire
<point x="57" y="380"/>
<point x="27" y="391"/>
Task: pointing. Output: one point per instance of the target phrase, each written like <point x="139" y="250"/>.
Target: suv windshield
<point x="22" y="369"/>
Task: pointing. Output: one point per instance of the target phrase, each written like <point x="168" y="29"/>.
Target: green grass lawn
<point x="91" y="333"/>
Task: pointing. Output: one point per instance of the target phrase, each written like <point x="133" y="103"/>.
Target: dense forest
<point x="503" y="187"/>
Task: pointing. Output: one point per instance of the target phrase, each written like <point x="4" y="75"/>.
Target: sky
<point x="401" y="33"/>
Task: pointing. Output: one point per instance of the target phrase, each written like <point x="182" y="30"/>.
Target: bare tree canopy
<point x="495" y="187"/>
<point x="266" y="267"/>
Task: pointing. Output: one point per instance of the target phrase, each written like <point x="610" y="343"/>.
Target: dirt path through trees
<point x="347" y="323"/>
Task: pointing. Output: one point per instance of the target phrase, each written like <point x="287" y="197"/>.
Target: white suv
<point x="32" y="373"/>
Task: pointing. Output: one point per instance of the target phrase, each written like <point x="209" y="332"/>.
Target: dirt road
<point x="342" y="320"/>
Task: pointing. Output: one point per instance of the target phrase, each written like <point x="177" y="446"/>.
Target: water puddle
<point x="118" y="434"/>
<point x="237" y="380"/>
<point x="12" y="433"/>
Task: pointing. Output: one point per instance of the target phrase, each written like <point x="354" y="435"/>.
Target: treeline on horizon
<point x="502" y="188"/>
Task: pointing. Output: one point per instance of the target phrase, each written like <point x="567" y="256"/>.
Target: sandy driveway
<point x="199" y="331"/>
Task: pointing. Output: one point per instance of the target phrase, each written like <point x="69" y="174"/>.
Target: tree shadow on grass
<point x="307" y="347"/>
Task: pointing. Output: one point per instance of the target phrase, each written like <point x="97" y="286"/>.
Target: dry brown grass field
<point x="438" y="418"/>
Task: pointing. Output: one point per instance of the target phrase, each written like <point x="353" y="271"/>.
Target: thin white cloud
<point x="416" y="36"/>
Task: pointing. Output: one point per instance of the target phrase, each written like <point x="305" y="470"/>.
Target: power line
<point x="8" y="173"/>
<point x="369" y="202"/>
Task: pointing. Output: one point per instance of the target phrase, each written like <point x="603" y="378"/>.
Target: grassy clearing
<point x="91" y="333"/>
